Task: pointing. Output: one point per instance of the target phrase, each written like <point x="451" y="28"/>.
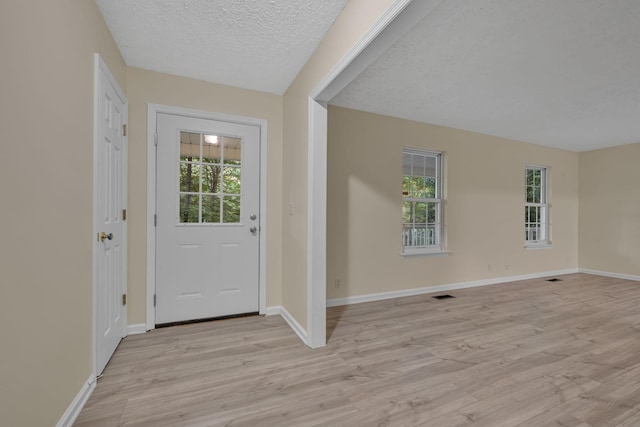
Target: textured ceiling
<point x="253" y="44"/>
<point x="564" y="74"/>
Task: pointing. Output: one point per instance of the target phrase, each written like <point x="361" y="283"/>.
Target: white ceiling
<point x="253" y="44"/>
<point x="564" y="73"/>
<point x="561" y="73"/>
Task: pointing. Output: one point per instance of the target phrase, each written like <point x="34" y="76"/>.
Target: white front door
<point x="110" y="241"/>
<point x="207" y="229"/>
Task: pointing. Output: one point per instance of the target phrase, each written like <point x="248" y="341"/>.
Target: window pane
<point x="431" y="214"/>
<point x="189" y="208"/>
<point x="406" y="164"/>
<point x="189" y="177"/>
<point x="420" y="213"/>
<point x="430" y="188"/>
<point x="406" y="186"/>
<point x="231" y="184"/>
<point x="406" y="212"/>
<point x="430" y="166"/>
<point x="431" y="235"/>
<point x="210" y="209"/>
<point x="232" y="150"/>
<point x="231" y="209"/>
<point x="419" y="236"/>
<point x="211" y="148"/>
<point x="190" y="146"/>
<point x="202" y="174"/>
<point x="417" y="187"/>
<point x="406" y="236"/>
<point x="534" y="195"/>
<point x="530" y="177"/>
<point x="417" y="165"/>
<point x="419" y="176"/>
<point x="529" y="194"/>
<point x="211" y="179"/>
<point x="536" y="175"/>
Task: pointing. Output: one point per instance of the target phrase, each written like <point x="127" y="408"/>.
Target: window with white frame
<point x="536" y="210"/>
<point x="421" y="201"/>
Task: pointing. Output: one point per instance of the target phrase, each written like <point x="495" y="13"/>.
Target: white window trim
<point x="411" y="252"/>
<point x="432" y="250"/>
<point x="546" y="242"/>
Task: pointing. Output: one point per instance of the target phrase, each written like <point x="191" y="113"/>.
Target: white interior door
<point x="207" y="229"/>
<point x="110" y="251"/>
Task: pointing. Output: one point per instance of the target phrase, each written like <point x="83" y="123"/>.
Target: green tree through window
<point x="210" y="179"/>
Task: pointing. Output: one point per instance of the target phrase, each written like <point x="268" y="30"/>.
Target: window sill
<point x="427" y="253"/>
<point x="538" y="246"/>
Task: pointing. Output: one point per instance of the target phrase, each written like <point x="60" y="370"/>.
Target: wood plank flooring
<point x="527" y="354"/>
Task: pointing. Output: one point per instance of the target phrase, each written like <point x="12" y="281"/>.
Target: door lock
<point x="253" y="217"/>
<point x="104" y="236"/>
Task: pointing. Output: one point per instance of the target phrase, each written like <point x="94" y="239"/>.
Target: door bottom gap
<point x="206" y="319"/>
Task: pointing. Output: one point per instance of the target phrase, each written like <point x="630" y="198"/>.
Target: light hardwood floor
<point x="529" y="353"/>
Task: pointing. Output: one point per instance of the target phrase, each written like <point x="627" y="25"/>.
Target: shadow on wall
<point x="359" y="176"/>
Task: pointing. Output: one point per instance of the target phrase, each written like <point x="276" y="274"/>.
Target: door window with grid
<point x="421" y="201"/>
<point x="209" y="178"/>
<point x="536" y="210"/>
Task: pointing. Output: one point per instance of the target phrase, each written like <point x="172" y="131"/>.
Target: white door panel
<point x="207" y="237"/>
<point x="110" y="241"/>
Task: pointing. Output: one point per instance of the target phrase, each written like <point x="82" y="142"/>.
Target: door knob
<point x="104" y="236"/>
<point x="253" y="230"/>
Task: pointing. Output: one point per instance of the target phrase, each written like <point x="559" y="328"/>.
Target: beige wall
<point x="484" y="210"/>
<point x="610" y="210"/>
<point x="354" y="21"/>
<point x="144" y="87"/>
<point x="46" y="183"/>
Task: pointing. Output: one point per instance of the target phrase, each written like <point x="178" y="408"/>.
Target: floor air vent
<point x="554" y="280"/>
<point x="447" y="296"/>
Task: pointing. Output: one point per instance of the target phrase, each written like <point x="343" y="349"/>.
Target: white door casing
<point x="208" y="218"/>
<point x="399" y="18"/>
<point x="110" y="195"/>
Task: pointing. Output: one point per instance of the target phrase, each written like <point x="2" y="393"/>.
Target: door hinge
<point x="124" y="214"/>
<point x="155" y="220"/>
<point x="154" y="300"/>
<point x="124" y="130"/>
<point x="155" y="139"/>
<point x="124" y="299"/>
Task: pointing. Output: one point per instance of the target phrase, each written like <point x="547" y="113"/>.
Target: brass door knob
<point x="104" y="236"/>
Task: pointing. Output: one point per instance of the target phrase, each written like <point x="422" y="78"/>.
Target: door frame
<point x="101" y="66"/>
<point x="152" y="113"/>
<point x="395" y="22"/>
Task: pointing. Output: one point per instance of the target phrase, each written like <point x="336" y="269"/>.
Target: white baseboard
<point x="138" y="328"/>
<point x="72" y="412"/>
<point x="610" y="274"/>
<point x="273" y="311"/>
<point x="439" y="288"/>
<point x="291" y="321"/>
